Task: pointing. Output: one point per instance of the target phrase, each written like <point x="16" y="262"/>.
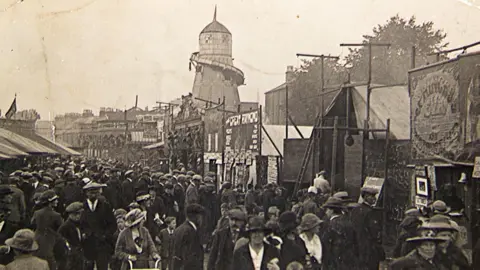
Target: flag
<point x="13" y="109"/>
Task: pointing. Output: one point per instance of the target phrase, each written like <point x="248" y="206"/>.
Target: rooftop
<point x="215" y="26"/>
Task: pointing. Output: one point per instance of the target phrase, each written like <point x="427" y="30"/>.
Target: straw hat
<point x="134" y="217"/>
<point x="439" y="222"/>
<point x="23" y="240"/>
<point x="309" y="221"/>
<point x="93" y="186"/>
<point x="427" y="235"/>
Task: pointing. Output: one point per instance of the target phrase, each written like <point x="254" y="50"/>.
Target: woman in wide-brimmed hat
<point x="293" y="248"/>
<point x="135" y="243"/>
<point x="23" y="245"/>
<point x="309" y="229"/>
<point x="448" y="254"/>
<point x="422" y="257"/>
<point x="47" y="221"/>
<point x="256" y="254"/>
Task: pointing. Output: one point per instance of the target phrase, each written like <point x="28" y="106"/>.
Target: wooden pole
<point x="385" y="181"/>
<point x="259" y="138"/>
<point x="126" y="137"/>
<point x="286" y="111"/>
<point x="334" y="154"/>
<point x="223" y="141"/>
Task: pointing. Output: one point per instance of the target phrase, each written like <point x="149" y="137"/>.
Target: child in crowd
<point x="166" y="238"/>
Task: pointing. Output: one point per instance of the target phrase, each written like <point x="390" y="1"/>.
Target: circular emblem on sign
<point x="435" y="111"/>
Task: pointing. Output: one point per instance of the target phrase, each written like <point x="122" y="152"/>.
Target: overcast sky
<point x="66" y="55"/>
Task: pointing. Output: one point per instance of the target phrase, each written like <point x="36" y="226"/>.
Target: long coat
<point x="128" y="192"/>
<point x="99" y="227"/>
<point x="7" y="231"/>
<point x="368" y="228"/>
<point x="28" y="262"/>
<point x="339" y="245"/>
<point x="191" y="195"/>
<point x="412" y="261"/>
<point x="126" y="246"/>
<point x="243" y="261"/>
<point x="68" y="230"/>
<point x="187" y="248"/>
<point x="17" y="206"/>
<point x="47" y="222"/>
<point x="221" y="254"/>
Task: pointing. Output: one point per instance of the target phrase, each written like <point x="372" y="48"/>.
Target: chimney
<point x="289" y="75"/>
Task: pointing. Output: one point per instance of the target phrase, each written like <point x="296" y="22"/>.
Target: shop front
<point x="444" y="116"/>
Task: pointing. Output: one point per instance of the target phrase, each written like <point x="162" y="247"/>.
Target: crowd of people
<point x="92" y="214"/>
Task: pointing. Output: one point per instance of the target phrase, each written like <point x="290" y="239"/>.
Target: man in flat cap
<point x="72" y="233"/>
<point x="368" y="228"/>
<point x="191" y="195"/>
<point x="99" y="225"/>
<point x="188" y="251"/>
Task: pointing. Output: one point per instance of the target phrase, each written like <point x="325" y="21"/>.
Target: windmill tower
<point x="215" y="75"/>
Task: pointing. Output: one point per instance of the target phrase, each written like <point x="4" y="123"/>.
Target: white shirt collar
<point x="35" y="185"/>
<point x="256" y="257"/>
<point x="92" y="205"/>
<point x="193" y="225"/>
<point x="1" y="225"/>
<point x="334" y="217"/>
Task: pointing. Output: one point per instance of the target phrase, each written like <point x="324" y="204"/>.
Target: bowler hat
<point x="288" y="221"/>
<point x="309" y="221"/>
<point x="23" y="240"/>
<point x="440" y="207"/>
<point x="255" y="224"/>
<point x="74" y="207"/>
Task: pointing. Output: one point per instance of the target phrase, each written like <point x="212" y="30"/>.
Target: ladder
<point x="308" y="153"/>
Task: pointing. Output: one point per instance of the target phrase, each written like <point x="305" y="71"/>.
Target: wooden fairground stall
<point x="445" y="105"/>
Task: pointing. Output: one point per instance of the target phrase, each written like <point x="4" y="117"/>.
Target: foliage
<point x="389" y="65"/>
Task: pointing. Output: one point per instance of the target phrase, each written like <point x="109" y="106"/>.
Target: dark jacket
<point x="7" y="231"/>
<point x="292" y="251"/>
<point x="221" y="254"/>
<point x="339" y="245"/>
<point x="243" y="261"/>
<point x="412" y="261"/>
<point x="453" y="257"/>
<point x="128" y="192"/>
<point x="99" y="227"/>
<point x="74" y="238"/>
<point x="187" y="248"/>
<point x="166" y="240"/>
<point x="47" y="222"/>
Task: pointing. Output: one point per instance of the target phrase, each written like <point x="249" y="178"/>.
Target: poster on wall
<point x="242" y="137"/>
<point x="435" y="111"/>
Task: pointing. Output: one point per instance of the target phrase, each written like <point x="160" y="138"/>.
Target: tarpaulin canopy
<point x="50" y="144"/>
<point x="24" y="144"/>
<point x="10" y="150"/>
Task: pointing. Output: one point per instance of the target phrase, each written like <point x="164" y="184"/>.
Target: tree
<point x="305" y="92"/>
<point x="389" y="66"/>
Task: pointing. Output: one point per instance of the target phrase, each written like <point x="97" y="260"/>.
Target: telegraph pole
<point x="366" y="133"/>
<point x="322" y="105"/>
